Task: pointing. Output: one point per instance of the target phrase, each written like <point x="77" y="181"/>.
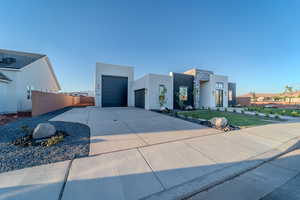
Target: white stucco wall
<point x="6" y="106"/>
<point x="223" y="79"/>
<point x="8" y="93"/>
<point x="37" y="75"/>
<point x="207" y="91"/>
<point x="151" y="83"/>
<point x="205" y="94"/>
<point x="143" y="83"/>
<point x="113" y="70"/>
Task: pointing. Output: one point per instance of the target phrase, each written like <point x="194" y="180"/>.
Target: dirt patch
<point x="7" y="118"/>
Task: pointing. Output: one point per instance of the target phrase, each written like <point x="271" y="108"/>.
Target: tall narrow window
<point x="162" y="95"/>
<point x="230" y="95"/>
<point x="183" y="93"/>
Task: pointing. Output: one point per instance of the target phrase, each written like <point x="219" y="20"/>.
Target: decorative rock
<point x="43" y="130"/>
<point x="219" y="122"/>
<point x="189" y="108"/>
<point x="162" y="108"/>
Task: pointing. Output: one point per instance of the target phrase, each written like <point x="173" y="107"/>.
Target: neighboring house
<point x="20" y="73"/>
<point x="115" y="87"/>
<point x="282" y="98"/>
<point x="260" y="97"/>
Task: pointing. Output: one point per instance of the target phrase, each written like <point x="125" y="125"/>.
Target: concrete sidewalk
<point x="35" y="183"/>
<point x="268" y="181"/>
<point x="162" y="168"/>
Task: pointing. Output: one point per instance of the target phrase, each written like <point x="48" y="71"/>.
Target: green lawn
<point x="235" y="119"/>
<point x="278" y="111"/>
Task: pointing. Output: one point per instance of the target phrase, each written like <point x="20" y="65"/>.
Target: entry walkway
<point x="176" y="160"/>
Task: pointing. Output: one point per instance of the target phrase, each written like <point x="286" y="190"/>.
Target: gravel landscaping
<point x="13" y="157"/>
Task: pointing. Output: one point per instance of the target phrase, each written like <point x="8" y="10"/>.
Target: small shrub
<point x="256" y="114"/>
<point x="209" y="109"/>
<point x="276" y="116"/>
<point x="53" y="140"/>
<point x="267" y="115"/>
<point x="225" y="110"/>
<point x="243" y="112"/>
<point x="218" y="109"/>
<point x="234" y="111"/>
<point x="295" y="114"/>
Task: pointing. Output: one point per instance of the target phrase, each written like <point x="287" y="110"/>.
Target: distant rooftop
<point x="16" y="59"/>
<point x="196" y="70"/>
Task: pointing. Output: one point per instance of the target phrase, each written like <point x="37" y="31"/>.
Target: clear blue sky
<point x="256" y="43"/>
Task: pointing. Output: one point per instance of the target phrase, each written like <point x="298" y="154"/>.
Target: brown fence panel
<point x="87" y="101"/>
<point x="243" y="101"/>
<point x="44" y="102"/>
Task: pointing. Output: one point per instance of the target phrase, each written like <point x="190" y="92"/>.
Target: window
<point x="162" y="90"/>
<point x="183" y="93"/>
<point x="162" y="95"/>
<point x="219" y="85"/>
<point x="230" y="95"/>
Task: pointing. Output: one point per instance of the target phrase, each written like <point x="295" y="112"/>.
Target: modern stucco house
<point x="20" y="73"/>
<point x="115" y="87"/>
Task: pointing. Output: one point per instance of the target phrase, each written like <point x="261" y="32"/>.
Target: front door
<point x="219" y="98"/>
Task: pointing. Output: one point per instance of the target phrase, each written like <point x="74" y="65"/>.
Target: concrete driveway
<point x="115" y="129"/>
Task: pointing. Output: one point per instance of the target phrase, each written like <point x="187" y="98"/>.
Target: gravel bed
<point x="13" y="157"/>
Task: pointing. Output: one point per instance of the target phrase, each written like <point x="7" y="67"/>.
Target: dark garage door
<point x="114" y="91"/>
<point x="139" y="98"/>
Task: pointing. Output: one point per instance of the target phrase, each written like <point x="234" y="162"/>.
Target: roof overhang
<point x="9" y="69"/>
<point x="4" y="81"/>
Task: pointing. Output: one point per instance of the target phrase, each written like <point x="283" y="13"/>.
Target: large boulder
<point x="189" y="108"/>
<point x="219" y="122"/>
<point x="43" y="130"/>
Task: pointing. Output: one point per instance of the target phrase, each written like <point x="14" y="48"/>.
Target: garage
<point x="139" y="98"/>
<point x="114" y="91"/>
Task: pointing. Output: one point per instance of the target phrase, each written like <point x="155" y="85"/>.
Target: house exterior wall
<point x="223" y="79"/>
<point x="8" y="97"/>
<point x="154" y="81"/>
<point x="143" y="83"/>
<point x="205" y="88"/>
<point x="113" y="70"/>
<point x="3" y="88"/>
<point x="37" y="76"/>
<point x="151" y="83"/>
<point x="205" y="94"/>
